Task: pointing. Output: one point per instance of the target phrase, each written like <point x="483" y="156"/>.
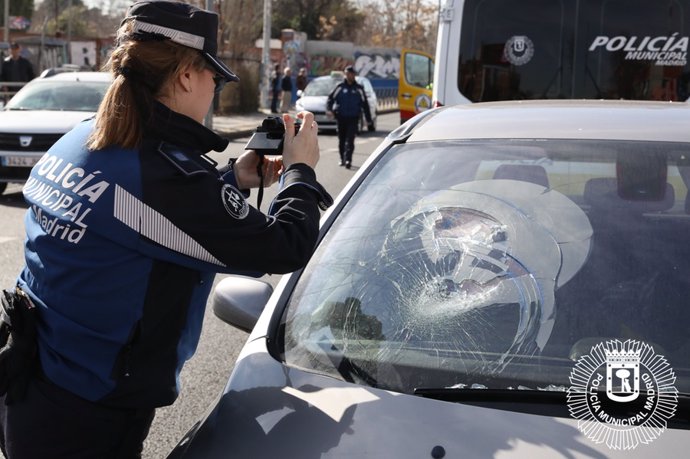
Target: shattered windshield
<point x="497" y="264"/>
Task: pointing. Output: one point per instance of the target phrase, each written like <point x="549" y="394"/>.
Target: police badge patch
<point x="234" y="202"/>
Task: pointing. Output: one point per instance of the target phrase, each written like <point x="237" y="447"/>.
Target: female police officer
<point x="128" y="224"/>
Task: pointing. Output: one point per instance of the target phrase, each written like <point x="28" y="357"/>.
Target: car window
<point x="497" y="264"/>
<point x="59" y="95"/>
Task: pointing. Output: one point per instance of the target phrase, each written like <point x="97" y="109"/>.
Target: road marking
<point x="6" y="239"/>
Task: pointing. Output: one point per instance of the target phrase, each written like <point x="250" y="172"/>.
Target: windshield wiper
<point x="545" y="402"/>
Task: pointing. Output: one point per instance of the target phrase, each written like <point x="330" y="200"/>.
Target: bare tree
<point x="400" y="24"/>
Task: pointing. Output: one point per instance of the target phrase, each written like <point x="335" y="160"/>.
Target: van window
<point x="550" y="49"/>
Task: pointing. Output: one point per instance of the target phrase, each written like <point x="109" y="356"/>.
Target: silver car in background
<point x="498" y="280"/>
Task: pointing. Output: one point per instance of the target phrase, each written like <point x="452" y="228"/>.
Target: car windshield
<point x="49" y="94"/>
<point x="321" y="86"/>
<point x="498" y="264"/>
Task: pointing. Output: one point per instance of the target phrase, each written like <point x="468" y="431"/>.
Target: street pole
<point x="69" y="32"/>
<point x="266" y="55"/>
<point x="6" y="38"/>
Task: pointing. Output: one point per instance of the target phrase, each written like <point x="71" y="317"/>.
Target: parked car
<point x="468" y="288"/>
<point x="40" y="113"/>
<point x="315" y="96"/>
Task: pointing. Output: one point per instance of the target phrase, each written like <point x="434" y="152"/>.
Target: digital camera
<point x="268" y="138"/>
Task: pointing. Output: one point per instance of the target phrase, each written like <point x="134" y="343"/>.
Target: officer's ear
<point x="185" y="78"/>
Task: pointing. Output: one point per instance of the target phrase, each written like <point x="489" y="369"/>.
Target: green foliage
<point x="17" y="8"/>
<point x="319" y="19"/>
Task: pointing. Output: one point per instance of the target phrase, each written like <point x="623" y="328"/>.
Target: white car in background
<point x="40" y="113"/>
<point x="315" y="96"/>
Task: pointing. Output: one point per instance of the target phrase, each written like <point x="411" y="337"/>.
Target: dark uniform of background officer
<point x="347" y="101"/>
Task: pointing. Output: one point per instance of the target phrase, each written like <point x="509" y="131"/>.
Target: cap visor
<point x="222" y="68"/>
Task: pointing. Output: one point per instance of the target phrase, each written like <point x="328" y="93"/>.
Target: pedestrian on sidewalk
<point x="276" y="81"/>
<point x="301" y="80"/>
<point x="16" y="69"/>
<point x="346" y="102"/>
<point x="286" y="86"/>
<point x="119" y="276"/>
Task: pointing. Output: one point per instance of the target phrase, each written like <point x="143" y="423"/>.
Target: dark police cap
<point x="350" y="69"/>
<point x="183" y="24"/>
<point x="14" y="45"/>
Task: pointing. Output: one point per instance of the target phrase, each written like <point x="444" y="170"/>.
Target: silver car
<point x="315" y="96"/>
<point x="42" y="112"/>
<point x="498" y="280"/>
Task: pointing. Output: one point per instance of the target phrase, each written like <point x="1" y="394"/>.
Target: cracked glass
<point x="496" y="264"/>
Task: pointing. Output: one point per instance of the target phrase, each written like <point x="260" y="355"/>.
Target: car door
<point x="416" y="83"/>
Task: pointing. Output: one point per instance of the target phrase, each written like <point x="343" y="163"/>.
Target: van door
<point x="415" y="84"/>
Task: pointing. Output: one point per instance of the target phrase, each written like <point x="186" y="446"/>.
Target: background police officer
<point x="346" y="102"/>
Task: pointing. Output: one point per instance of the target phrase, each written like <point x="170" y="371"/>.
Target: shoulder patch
<point x="234" y="202"/>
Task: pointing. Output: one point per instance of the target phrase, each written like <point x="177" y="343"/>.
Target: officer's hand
<point x="246" y="174"/>
<point x="303" y="147"/>
<point x="330" y="115"/>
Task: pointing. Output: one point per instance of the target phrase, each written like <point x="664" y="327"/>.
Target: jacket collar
<point x="181" y="130"/>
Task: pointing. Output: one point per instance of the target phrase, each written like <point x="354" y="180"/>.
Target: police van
<point x="491" y="50"/>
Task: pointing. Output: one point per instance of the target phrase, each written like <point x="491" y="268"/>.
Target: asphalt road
<point x="204" y="376"/>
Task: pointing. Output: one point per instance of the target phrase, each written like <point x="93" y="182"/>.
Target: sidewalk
<point x="239" y="125"/>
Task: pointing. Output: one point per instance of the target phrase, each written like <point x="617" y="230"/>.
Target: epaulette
<point x="187" y="163"/>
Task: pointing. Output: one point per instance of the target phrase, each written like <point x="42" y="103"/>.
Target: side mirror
<point x="299" y="93"/>
<point x="239" y="301"/>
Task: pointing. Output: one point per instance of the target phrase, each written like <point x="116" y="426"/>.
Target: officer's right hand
<point x="303" y="147"/>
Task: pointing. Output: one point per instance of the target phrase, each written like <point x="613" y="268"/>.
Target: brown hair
<point x="141" y="70"/>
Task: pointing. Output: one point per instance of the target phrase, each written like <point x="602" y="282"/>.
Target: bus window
<point x="514" y="50"/>
<point x="490" y="50"/>
<point x="633" y="49"/>
<point x="415" y="85"/>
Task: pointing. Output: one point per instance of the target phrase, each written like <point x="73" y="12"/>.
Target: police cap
<point x="182" y="23"/>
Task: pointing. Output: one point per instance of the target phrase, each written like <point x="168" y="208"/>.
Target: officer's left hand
<point x="245" y="170"/>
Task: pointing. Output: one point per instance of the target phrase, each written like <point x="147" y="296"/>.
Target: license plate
<point x="19" y="161"/>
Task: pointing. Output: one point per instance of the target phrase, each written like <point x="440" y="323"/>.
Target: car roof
<point x="557" y="119"/>
<point x="80" y="76"/>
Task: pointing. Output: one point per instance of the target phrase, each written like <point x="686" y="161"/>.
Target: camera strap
<point x="260" y="171"/>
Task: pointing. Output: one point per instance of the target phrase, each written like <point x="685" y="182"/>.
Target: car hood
<point x="40" y="121"/>
<point x="314" y="103"/>
<point x="269" y="410"/>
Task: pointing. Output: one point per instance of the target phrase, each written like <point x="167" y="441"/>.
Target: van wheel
<point x="3" y="187"/>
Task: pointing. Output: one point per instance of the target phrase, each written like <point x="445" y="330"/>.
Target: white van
<point x="491" y="50"/>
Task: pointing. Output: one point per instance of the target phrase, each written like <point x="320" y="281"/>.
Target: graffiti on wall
<point x="377" y="66"/>
<point x="322" y="64"/>
<point x="370" y="65"/>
